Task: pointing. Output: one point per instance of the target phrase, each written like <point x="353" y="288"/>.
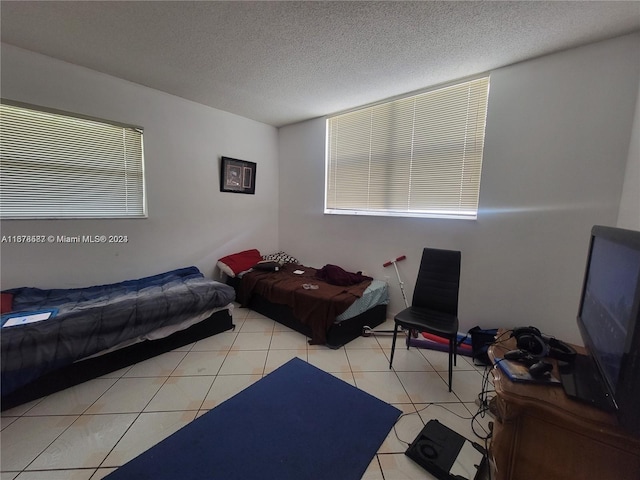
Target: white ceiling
<point x="283" y="62"/>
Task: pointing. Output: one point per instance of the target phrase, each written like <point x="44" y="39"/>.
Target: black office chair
<point x="434" y="308"/>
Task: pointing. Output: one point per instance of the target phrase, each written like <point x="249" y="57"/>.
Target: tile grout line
<point x="211" y="387"/>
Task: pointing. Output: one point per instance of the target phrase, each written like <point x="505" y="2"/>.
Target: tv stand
<point x="541" y="433"/>
<point x="582" y="381"/>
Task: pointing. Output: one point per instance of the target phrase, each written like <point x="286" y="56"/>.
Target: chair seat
<point x="427" y="320"/>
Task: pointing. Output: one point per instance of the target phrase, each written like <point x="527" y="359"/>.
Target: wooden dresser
<point x="540" y="433"/>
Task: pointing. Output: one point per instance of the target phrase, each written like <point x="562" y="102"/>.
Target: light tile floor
<point x="87" y="431"/>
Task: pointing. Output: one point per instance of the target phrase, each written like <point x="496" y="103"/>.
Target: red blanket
<point x="317" y="308"/>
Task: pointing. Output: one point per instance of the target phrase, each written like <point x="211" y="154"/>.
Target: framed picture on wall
<point x="237" y="176"/>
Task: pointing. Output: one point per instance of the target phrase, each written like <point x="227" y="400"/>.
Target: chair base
<point x="453" y="356"/>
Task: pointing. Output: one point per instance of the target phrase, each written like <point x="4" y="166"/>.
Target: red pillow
<point x="239" y="262"/>
<point x="6" y="302"/>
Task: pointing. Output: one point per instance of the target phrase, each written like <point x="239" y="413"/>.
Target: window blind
<point x="415" y="156"/>
<point x="58" y="165"/>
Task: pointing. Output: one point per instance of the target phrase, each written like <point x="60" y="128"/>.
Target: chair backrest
<point x="438" y="281"/>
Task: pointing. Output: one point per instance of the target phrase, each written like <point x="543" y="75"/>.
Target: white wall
<point x="557" y="140"/>
<point x="190" y="221"/>
<point x="629" y="214"/>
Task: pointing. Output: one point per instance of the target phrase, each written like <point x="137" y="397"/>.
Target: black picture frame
<point x="237" y="176"/>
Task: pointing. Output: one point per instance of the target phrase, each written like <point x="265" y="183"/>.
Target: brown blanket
<point x="317" y="308"/>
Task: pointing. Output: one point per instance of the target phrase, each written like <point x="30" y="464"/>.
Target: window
<point x="418" y="156"/>
<point x="58" y="165"/>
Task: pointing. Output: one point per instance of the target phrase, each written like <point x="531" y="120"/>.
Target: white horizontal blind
<point x="416" y="156"/>
<point x="55" y="165"/>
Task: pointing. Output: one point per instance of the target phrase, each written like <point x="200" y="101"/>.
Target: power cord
<point x="483" y="408"/>
<point x="422" y="410"/>
<point x="483" y="405"/>
<point x="484" y="401"/>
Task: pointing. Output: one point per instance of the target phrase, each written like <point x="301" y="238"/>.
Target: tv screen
<point x="609" y="321"/>
<point x="610" y="289"/>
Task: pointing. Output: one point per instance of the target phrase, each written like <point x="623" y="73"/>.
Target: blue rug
<point x="296" y="423"/>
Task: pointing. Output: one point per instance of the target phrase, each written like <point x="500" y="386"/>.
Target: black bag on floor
<point x="481" y="340"/>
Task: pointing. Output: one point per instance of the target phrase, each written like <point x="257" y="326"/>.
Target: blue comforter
<point x="90" y="320"/>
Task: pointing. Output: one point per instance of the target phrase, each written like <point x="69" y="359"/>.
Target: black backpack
<point x="481" y="340"/>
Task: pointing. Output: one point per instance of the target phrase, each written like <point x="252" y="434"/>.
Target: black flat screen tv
<point x="608" y="377"/>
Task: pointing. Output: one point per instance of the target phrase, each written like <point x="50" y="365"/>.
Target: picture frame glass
<point x="237" y="176"/>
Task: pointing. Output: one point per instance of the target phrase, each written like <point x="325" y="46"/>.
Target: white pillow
<point x="225" y="268"/>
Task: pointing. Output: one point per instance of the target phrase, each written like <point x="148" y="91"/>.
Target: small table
<point x="540" y="433"/>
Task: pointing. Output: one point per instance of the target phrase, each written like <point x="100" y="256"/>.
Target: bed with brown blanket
<point x="329" y="305"/>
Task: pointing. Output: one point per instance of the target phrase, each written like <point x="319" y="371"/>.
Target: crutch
<point x="366" y="330"/>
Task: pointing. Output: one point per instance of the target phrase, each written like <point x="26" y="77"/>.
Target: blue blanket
<point x="90" y="320"/>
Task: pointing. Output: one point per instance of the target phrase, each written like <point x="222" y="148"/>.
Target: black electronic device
<point x="608" y="377"/>
<point x="521" y="356"/>
<point x="536" y="346"/>
<point x="540" y="369"/>
<point x="520" y="331"/>
<point x="530" y="339"/>
<point x="537" y="368"/>
<point x="560" y="350"/>
<point x="446" y="454"/>
<point x="520" y="373"/>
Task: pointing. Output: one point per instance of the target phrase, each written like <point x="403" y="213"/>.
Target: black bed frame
<point x="90" y="368"/>
<point x="338" y="334"/>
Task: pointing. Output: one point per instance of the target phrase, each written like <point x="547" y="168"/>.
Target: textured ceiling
<point x="283" y="62"/>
